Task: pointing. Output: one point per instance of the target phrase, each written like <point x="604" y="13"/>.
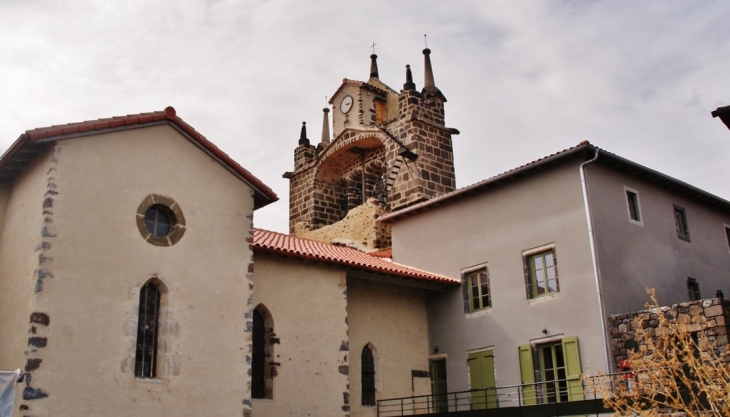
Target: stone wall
<point x="368" y="157"/>
<point x="359" y="230"/>
<point x="714" y="313"/>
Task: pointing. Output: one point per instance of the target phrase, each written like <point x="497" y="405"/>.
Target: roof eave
<point x="349" y="266"/>
<point x="263" y="195"/>
<point x="682" y="187"/>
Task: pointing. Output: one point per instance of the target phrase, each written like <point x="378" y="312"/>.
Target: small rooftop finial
<point x="373" y="64"/>
<point x="303" y="135"/>
<point x="325" y="126"/>
<point x="425" y="40"/>
<point x="429" y="86"/>
<point x="409" y="85"/>
<point x="428" y="81"/>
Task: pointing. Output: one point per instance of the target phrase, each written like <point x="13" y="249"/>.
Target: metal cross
<point x="373" y="46"/>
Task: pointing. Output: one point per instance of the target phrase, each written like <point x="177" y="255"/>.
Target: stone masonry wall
<point x="358" y="230"/>
<point x="324" y="186"/>
<point x="714" y="312"/>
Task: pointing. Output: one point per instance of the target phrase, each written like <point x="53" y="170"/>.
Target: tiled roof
<point x="28" y="144"/>
<point x="382" y="253"/>
<point x="586" y="150"/>
<point x="287" y="245"/>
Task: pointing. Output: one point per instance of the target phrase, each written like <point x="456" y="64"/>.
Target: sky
<point x="523" y="79"/>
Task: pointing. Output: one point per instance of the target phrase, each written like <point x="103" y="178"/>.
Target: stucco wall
<point x="22" y="214"/>
<point x="392" y="318"/>
<point x="99" y="261"/>
<point x="633" y="257"/>
<point x="307" y="303"/>
<point x="495" y="227"/>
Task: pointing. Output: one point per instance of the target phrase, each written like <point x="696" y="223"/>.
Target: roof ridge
<point x="263" y="195"/>
<point x="303" y="248"/>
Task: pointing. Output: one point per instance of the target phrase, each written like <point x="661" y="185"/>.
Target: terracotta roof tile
<point x="287" y="245"/>
<point x="264" y="194"/>
<point x="382" y="253"/>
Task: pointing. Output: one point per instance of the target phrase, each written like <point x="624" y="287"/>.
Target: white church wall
<point x="99" y="260"/>
<point x="392" y="320"/>
<point x="21" y="207"/>
<point x="307" y="303"/>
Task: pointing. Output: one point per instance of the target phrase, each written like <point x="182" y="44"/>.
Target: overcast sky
<point x="523" y="79"/>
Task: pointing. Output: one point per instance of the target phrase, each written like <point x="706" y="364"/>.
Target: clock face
<point x="346" y="104"/>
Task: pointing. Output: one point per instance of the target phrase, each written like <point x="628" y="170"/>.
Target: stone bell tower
<point x="388" y="150"/>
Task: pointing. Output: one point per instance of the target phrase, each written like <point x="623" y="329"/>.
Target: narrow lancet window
<point x="258" y="363"/>
<point x="368" y="376"/>
<point x="145" y="365"/>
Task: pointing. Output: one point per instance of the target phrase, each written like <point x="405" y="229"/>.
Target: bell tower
<point x="388" y="150"/>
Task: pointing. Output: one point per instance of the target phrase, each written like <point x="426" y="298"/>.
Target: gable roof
<point x="584" y="151"/>
<point x="346" y="82"/>
<point x="296" y="247"/>
<point x="32" y="142"/>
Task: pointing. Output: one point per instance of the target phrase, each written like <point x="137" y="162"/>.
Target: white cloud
<point x="524" y="79"/>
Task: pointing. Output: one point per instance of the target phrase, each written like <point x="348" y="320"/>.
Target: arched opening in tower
<point x="346" y="179"/>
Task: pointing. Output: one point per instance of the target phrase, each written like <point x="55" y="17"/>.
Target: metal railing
<point x="540" y="393"/>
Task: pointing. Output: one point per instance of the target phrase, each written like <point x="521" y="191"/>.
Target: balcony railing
<point x="555" y="398"/>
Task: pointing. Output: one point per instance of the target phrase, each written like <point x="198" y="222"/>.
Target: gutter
<point x="594" y="259"/>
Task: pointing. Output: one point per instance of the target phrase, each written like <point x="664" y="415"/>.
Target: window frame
<point x="263" y="339"/>
<point x="726" y="228"/>
<point x="681" y="222"/>
<point x="148" y="324"/>
<point x="533" y="375"/>
<point x="693" y="289"/>
<point x="531" y="275"/>
<point x="173" y="210"/>
<point x="367" y="377"/>
<point x="467" y="290"/>
<point x="628" y="193"/>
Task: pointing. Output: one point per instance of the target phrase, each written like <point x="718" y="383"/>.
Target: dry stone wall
<point x="714" y="313"/>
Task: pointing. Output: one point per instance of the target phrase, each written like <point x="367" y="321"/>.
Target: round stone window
<point x="160" y="220"/>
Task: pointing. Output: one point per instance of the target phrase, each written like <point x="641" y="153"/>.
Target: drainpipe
<point x="594" y="258"/>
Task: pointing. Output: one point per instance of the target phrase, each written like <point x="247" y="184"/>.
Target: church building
<point x="134" y="282"/>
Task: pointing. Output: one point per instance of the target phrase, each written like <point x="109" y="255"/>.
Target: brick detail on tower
<point x="399" y="156"/>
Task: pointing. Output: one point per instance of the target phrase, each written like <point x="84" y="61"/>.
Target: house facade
<point x="546" y="253"/>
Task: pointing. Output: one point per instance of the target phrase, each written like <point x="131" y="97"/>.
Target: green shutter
<point x="527" y="371"/>
<point x="572" y="368"/>
<point x="482" y="381"/>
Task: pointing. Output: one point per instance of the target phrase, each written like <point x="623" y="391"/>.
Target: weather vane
<point x="373" y="46"/>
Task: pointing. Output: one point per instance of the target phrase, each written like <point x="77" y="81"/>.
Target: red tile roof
<point x="585" y="150"/>
<point x="287" y="245"/>
<point x="264" y="194"/>
<point x="382" y="253"/>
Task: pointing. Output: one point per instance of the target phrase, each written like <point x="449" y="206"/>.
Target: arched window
<point x="145" y="364"/>
<point x="367" y="363"/>
<point x="262" y="371"/>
